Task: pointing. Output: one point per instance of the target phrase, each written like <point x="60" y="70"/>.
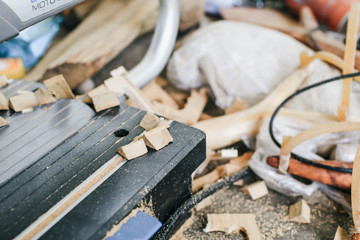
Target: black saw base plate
<point x="47" y="153"/>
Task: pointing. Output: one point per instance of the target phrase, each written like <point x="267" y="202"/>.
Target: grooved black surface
<point x="77" y="155"/>
<point x="29" y="136"/>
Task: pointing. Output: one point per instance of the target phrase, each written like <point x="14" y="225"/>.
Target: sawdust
<point x="144" y="206"/>
<point x="271" y="215"/>
<point x="179" y="234"/>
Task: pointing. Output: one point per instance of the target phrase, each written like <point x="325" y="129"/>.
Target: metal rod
<point x="161" y="45"/>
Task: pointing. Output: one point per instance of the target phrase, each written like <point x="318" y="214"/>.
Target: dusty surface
<point x="271" y="212"/>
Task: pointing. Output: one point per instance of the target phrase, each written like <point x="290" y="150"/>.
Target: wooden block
<point x="149" y="121"/>
<point x="341" y="234"/>
<point x="105" y="100"/>
<point x="164" y="123"/>
<point x="133" y="150"/>
<point x="157" y="138"/>
<point x="235" y="222"/>
<point x="3" y="81"/>
<point x="256" y="190"/>
<point x="98" y="90"/>
<point x="43" y="96"/>
<point x="4" y="102"/>
<point x="137" y="138"/>
<point x="3" y="122"/>
<point x="23" y="101"/>
<point x="299" y="212"/>
<point x="114" y="84"/>
<point x="59" y="87"/>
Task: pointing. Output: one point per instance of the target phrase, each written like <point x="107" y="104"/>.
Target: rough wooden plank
<point x="59" y="87"/>
<point x="157" y="138"/>
<point x="256" y="190"/>
<point x="23" y="101"/>
<point x="105" y="100"/>
<point x="4" y="102"/>
<point x="43" y="96"/>
<point x="299" y="212"/>
<point x="3" y="122"/>
<point x="230" y="223"/>
<point x="133" y="149"/>
<point x="111" y="27"/>
<point x="149" y="121"/>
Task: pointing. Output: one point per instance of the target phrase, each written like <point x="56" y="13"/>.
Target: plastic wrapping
<point x="237" y="60"/>
<point x="326" y="98"/>
<point x="285" y="126"/>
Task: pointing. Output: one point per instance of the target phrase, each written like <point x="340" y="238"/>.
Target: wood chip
<point x="105" y="100"/>
<point x="43" y="96"/>
<point x="157" y="138"/>
<point x="133" y="150"/>
<point x="23" y="101"/>
<point x="153" y="92"/>
<point x="3" y="81"/>
<point x="4" y="102"/>
<point x="59" y="87"/>
<point x="190" y="114"/>
<point x="121" y="84"/>
<point x="203" y="204"/>
<point x="3" y="122"/>
<point x="149" y="121"/>
<point x="256" y="190"/>
<point x="228" y="169"/>
<point x="230" y="223"/>
<point x="299" y="212"/>
<point x="98" y="90"/>
<point x="341" y="234"/>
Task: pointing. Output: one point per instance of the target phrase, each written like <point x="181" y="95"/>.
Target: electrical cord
<point x="169" y="225"/>
<point x="302" y="159"/>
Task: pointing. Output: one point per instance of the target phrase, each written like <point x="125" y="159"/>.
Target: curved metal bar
<point x="161" y="45"/>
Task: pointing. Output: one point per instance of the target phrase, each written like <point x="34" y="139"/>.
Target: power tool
<point x="50" y="155"/>
<point x="16" y="15"/>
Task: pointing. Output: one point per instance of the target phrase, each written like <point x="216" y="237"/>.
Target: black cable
<point x="302" y="159"/>
<point x="169" y="225"/>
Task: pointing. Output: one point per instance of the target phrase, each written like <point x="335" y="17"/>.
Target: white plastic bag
<point x="237" y="60"/>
